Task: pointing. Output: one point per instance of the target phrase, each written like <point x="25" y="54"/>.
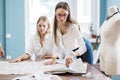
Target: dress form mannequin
<point x="110" y="43"/>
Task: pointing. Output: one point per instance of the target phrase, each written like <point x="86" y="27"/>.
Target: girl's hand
<point x="19" y="59"/>
<point x="69" y="59"/>
<point x="53" y="61"/>
<point x="47" y="56"/>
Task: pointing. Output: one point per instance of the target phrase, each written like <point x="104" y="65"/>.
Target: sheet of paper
<point x="77" y="66"/>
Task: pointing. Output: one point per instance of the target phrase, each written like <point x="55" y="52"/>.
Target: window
<point x="39" y="8"/>
<point x="84" y="11"/>
<point x="87" y="15"/>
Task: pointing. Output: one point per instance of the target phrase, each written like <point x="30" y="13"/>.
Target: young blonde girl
<point x="40" y="45"/>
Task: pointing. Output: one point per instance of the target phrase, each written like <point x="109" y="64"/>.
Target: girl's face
<point x="61" y="15"/>
<point x="42" y="27"/>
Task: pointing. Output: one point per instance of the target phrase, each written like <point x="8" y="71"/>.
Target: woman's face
<point x="42" y="27"/>
<point x="61" y="15"/>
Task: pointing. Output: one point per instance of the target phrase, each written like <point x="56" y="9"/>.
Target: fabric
<point x="69" y="41"/>
<point x="38" y="77"/>
<point x="35" y="49"/>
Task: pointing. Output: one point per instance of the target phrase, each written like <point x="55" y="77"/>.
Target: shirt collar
<point x="46" y="36"/>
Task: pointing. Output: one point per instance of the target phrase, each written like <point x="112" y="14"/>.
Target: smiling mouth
<point x="61" y="20"/>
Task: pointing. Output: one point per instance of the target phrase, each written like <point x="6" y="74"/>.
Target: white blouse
<point x="35" y="49"/>
<point x="69" y="41"/>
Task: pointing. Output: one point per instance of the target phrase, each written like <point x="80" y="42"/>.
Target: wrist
<point x="20" y="57"/>
<point x="53" y="58"/>
<point x="72" y="55"/>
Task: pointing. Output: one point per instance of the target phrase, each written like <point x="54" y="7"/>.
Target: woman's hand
<point x="19" y="59"/>
<point x="69" y="59"/>
<point x="52" y="61"/>
<point x="1" y="52"/>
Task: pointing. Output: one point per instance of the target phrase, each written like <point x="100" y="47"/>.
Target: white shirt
<point x="35" y="49"/>
<point x="69" y="41"/>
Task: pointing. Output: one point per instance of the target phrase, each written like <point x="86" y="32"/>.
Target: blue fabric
<point x="88" y="55"/>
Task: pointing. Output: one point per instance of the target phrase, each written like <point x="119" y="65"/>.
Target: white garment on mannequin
<point x="110" y="40"/>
